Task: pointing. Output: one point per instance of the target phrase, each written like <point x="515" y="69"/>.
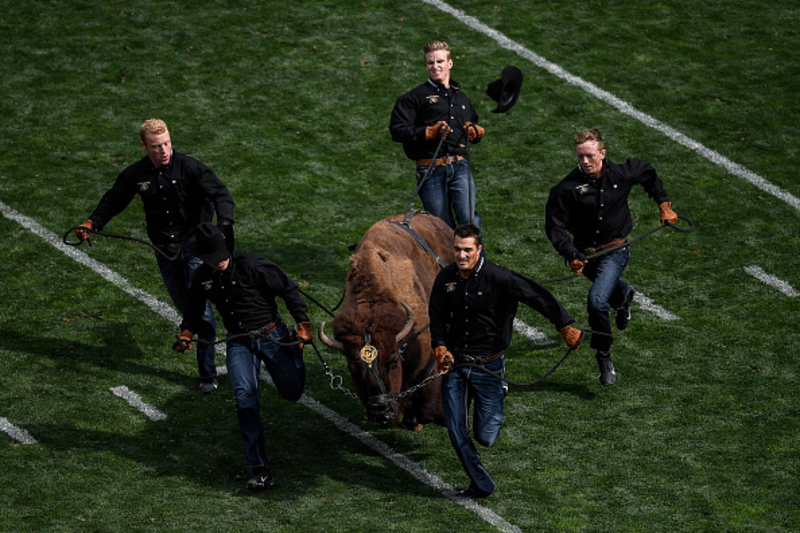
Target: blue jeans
<point x="460" y="386"/>
<point x="446" y="193"/>
<point x="608" y="291"/>
<point x="177" y="276"/>
<point x="288" y="372"/>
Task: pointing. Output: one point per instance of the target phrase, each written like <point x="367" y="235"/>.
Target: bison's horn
<point x="408" y="325"/>
<point x="331" y="343"/>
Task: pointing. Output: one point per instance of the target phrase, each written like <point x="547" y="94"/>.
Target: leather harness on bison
<point x="385" y="306"/>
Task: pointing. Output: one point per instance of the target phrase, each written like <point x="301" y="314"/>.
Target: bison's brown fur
<point x="387" y="269"/>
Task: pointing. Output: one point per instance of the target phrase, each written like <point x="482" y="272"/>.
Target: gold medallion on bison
<point x="368" y="354"/>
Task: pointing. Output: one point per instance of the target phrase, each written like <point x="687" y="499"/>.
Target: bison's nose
<point x="382" y="413"/>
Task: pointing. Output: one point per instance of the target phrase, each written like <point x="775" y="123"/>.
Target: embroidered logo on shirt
<point x="450" y="287"/>
<point x="582" y="189"/>
<point x="432" y="99"/>
<point x="143" y="185"/>
<point x="207" y="285"/>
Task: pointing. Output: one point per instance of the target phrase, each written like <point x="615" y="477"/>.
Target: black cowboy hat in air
<point x="206" y="242"/>
<point x="505" y="91"/>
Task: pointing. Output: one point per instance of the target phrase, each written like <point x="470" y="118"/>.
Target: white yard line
<point x="531" y="333"/>
<point x="772" y="281"/>
<point x="624" y="107"/>
<point x="136" y="401"/>
<point x="109" y="275"/>
<point x="540" y="339"/>
<point x="16" y="433"/>
<point x="648" y="305"/>
<point x="422" y="475"/>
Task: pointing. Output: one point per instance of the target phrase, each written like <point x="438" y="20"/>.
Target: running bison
<point x="382" y="327"/>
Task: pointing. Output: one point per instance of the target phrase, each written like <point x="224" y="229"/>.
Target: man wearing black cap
<point x="435" y="115"/>
<point x="243" y="287"/>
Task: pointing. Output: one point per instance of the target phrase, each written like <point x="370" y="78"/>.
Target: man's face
<point x="590" y="157"/>
<point x="439" y="66"/>
<point x="466" y="253"/>
<point x="158" y="147"/>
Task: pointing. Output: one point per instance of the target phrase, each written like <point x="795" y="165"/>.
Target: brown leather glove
<point x="443" y="359"/>
<point x="666" y="213"/>
<point x="437" y="131"/>
<point x="474" y="131"/>
<point x="82" y="234"/>
<point x="572" y="336"/>
<point x="184" y="342"/>
<point x="577" y="265"/>
<point x="304" y="333"/>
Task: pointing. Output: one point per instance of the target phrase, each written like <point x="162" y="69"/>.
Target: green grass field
<point x="289" y="103"/>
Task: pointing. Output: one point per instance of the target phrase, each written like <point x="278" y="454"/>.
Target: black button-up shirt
<point x="244" y="294"/>
<point x="475" y="316"/>
<point x="424" y="106"/>
<point x="176" y="197"/>
<point x="595" y="211"/>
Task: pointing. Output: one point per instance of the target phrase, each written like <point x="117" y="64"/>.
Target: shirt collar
<point x="475" y="271"/>
<point x="454" y="85"/>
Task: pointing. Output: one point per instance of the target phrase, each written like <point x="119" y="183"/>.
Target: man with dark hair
<point x="243" y="287"/>
<point x="591" y="204"/>
<point x="420" y="119"/>
<point x="177" y="192"/>
<point x="472" y="308"/>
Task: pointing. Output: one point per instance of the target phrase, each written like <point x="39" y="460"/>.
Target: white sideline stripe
<point x="649" y="305"/>
<point x="136" y="401"/>
<point x="71" y="251"/>
<point x="624" y="107"/>
<point x="400" y="460"/>
<point x="166" y="311"/>
<point x="16" y="433"/>
<point x="534" y="335"/>
<point x="772" y="281"/>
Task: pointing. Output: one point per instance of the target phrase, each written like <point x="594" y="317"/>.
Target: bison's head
<point x="370" y="337"/>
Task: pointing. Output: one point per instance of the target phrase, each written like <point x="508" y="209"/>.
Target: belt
<point x="269" y="328"/>
<point x="480" y="359"/>
<point x="615" y="242"/>
<point x="441" y="161"/>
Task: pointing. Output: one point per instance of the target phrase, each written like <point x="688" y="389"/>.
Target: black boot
<point x="607" y="374"/>
<point x="262" y="479"/>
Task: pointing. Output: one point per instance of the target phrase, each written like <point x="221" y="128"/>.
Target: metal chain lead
<point x="419" y="385"/>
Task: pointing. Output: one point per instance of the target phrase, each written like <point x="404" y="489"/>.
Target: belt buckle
<point x="263" y="331"/>
<point x="592" y="251"/>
